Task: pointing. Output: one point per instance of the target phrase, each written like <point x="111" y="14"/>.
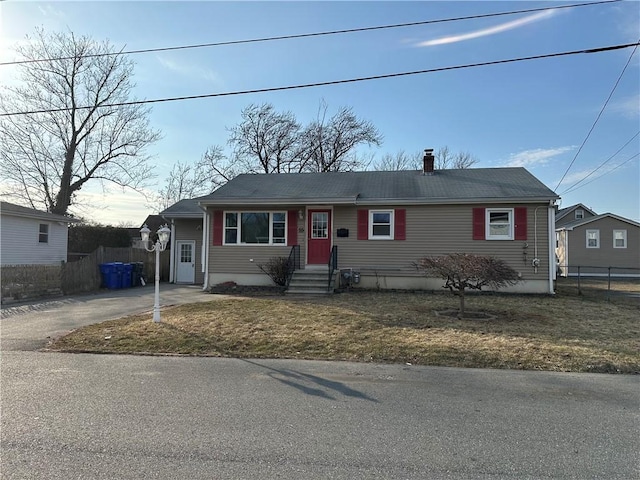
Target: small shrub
<point x="277" y="268"/>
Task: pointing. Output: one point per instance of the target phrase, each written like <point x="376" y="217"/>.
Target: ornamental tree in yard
<point x="463" y="271"/>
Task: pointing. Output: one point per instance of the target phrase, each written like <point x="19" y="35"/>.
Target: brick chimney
<point x="429" y="161"/>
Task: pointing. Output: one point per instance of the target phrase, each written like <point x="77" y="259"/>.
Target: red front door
<point x="318" y="236"/>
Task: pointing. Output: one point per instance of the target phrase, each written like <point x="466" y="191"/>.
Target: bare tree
<point x="266" y="141"/>
<point x="446" y="159"/>
<point x="330" y="143"/>
<point x="463" y="271"/>
<point x="183" y="181"/>
<point x="193" y="180"/>
<point x="79" y="129"/>
<point x="399" y="161"/>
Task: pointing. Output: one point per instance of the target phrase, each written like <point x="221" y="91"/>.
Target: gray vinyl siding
<point x="19" y="242"/>
<point x="191" y="229"/>
<point x="605" y="256"/>
<point x="571" y="216"/>
<point x="238" y="258"/>
<point x="440" y="230"/>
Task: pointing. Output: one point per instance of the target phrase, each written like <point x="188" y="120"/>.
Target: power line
<point x="331" y="82"/>
<point x="615" y="86"/>
<point x="316" y="34"/>
<point x="606" y="173"/>
<point x="574" y="186"/>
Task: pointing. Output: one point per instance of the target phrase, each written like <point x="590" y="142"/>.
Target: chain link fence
<point x="612" y="284"/>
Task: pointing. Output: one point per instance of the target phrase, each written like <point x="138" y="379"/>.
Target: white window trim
<point x="239" y="228"/>
<point x="391" y="225"/>
<point x="487" y="233"/>
<point x="579" y="214"/>
<point x="597" y="232"/>
<point x="48" y="234"/>
<point x="624" y="237"/>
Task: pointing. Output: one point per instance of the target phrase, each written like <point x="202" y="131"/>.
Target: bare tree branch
<point x="48" y="157"/>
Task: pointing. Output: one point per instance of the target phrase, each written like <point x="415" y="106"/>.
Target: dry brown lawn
<point x="565" y="332"/>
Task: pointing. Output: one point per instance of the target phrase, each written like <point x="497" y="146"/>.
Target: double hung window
<point x="619" y="239"/>
<point x="593" y="238"/>
<point x="43" y="233"/>
<point x="381" y="225"/>
<point x="499" y="224"/>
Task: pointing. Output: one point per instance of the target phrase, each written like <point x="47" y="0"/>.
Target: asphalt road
<point x="85" y="416"/>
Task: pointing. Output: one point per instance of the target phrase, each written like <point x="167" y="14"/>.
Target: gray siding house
<point x="376" y="223"/>
<point x="32" y="237"/>
<point x="573" y="213"/>
<point x="599" y="244"/>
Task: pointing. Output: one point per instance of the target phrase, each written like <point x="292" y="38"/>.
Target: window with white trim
<point x="43" y="233"/>
<point x="593" y="238"/>
<point x="380" y="224"/>
<point x="499" y="224"/>
<point x="619" y="239"/>
<point x="579" y="214"/>
<point x="255" y="228"/>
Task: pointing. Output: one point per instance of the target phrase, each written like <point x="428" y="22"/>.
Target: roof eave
<point x="372" y="201"/>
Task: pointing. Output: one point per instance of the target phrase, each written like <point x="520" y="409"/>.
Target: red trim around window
<point x="363" y="224"/>
<point x="520" y="228"/>
<point x="400" y="224"/>
<point x="478" y="223"/>
<point x="292" y="228"/>
<point x="217" y="227"/>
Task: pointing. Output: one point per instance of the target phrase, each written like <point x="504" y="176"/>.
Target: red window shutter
<point x="292" y="228"/>
<point x="217" y="227"/>
<point x="400" y="224"/>
<point x="363" y="224"/>
<point x="520" y="228"/>
<point x="478" y="223"/>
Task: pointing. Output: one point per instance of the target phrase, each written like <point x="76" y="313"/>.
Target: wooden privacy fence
<point x="23" y="282"/>
<point x="84" y="275"/>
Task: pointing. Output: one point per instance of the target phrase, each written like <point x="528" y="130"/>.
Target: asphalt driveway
<point x="29" y="326"/>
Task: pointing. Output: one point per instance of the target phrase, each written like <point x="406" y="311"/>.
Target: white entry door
<point x="186" y="261"/>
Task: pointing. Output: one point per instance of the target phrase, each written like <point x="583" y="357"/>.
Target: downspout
<point x="172" y="253"/>
<point x="552" y="250"/>
<point x="205" y="249"/>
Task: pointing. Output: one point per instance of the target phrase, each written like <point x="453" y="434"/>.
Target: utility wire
<point x="574" y="186"/>
<point x="606" y="173"/>
<point x="599" y="115"/>
<point x="316" y="34"/>
<point x="331" y="82"/>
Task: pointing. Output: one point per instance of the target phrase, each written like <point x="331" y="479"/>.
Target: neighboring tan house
<point x="573" y="213"/>
<point x="376" y="223"/>
<point x="599" y="245"/>
<point x="32" y="237"/>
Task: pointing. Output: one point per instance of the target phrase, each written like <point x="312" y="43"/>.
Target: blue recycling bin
<point x="127" y="274"/>
<point x="112" y="274"/>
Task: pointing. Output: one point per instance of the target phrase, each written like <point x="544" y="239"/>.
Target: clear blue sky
<point x="534" y="114"/>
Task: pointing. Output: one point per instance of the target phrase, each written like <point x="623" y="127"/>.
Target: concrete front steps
<point x="311" y="281"/>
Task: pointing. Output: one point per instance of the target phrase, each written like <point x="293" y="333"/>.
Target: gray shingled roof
<point x="187" y="208"/>
<point x="587" y="220"/>
<point x="471" y="185"/>
<point x="7" y="208"/>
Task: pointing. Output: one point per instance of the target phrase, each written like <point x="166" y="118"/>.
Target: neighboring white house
<point x="32" y="237"/>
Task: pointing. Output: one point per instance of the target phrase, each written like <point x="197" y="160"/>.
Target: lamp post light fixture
<point x="161" y="244"/>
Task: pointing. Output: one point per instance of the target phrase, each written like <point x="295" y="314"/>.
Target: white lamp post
<point x="163" y="238"/>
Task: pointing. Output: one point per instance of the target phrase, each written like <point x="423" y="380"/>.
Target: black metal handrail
<point x="332" y="264"/>
<point x="293" y="262"/>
